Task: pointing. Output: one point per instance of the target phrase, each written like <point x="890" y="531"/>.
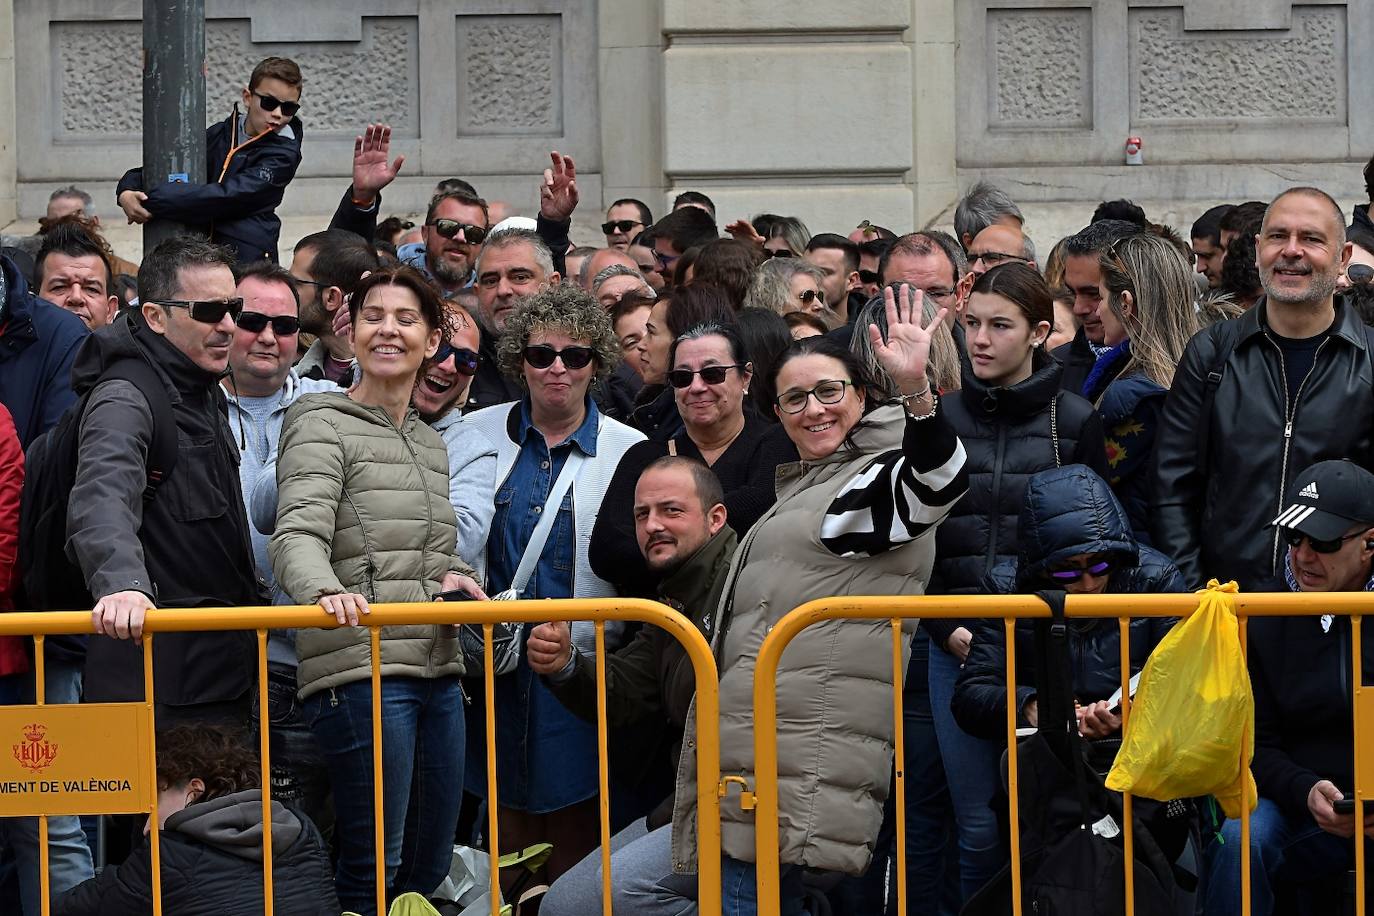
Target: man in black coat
<point x="250" y="159"/>
<point x="1258" y="397"/>
<point x="1300" y="668"/>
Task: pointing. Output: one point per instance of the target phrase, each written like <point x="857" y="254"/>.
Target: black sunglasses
<point x="1294" y="537"/>
<point x="869" y="276"/>
<point x="541" y="356"/>
<point x="1359" y="273"/>
<point x="449" y="228"/>
<point x="206" y="311"/>
<point x="282" y="325"/>
<point x="464" y="360"/>
<point x="711" y="375"/>
<point x="623" y="226"/>
<point x="811" y="295"/>
<point x="784" y="253"/>
<point x="1100" y="568"/>
<point x="272" y="103"/>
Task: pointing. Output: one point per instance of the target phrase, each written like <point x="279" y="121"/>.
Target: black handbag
<point x="1071" y="826"/>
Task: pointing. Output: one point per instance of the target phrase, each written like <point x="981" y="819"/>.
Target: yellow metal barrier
<point x="260" y="619"/>
<point x="1010" y="608"/>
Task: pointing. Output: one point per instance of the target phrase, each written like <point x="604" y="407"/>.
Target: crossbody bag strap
<point x="535" y="548"/>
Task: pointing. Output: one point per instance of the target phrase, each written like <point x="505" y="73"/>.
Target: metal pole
<point x="173" y="100"/>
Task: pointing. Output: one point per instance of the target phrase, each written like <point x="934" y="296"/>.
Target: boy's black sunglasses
<point x="272" y="103"/>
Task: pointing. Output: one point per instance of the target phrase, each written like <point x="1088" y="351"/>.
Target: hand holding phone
<point x="454" y="594"/>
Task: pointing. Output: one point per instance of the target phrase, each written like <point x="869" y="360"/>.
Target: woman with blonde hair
<point x="1148" y="315"/>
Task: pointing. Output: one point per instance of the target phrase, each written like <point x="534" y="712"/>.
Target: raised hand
<point x="906" y="352"/>
<point x="558" y="194"/>
<point x="741" y="230"/>
<point x="371" y="170"/>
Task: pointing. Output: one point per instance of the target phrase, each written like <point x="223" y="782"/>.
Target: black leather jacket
<point x="1067" y="511"/>
<point x="1212" y="511"/>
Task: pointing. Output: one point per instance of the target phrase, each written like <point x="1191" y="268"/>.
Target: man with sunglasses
<point x="1300" y="669"/>
<point x="187" y="544"/>
<point x="838" y="258"/>
<point x="251" y="157"/>
<point x="625" y="219"/>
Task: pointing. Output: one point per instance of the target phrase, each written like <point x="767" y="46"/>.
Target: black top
<point x="745" y="470"/>
<point x="1299" y="356"/>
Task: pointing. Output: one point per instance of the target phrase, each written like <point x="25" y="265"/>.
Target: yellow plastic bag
<point x="1191" y="730"/>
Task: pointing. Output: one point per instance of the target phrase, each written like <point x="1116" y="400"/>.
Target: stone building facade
<point x="881" y="109"/>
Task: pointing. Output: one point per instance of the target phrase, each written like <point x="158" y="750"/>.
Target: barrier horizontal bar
<point x="181" y="620"/>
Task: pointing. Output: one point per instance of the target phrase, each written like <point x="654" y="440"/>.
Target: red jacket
<point x="14" y="658"/>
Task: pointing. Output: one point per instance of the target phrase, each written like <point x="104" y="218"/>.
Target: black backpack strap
<point x="1226" y="343"/>
<point x="162" y="453"/>
<point x="1055" y="701"/>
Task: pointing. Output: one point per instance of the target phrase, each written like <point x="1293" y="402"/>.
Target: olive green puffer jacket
<point x="363" y="507"/>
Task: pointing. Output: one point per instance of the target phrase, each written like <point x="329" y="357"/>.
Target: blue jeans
<point x="299" y="776"/>
<point x="739" y="894"/>
<point x="1282" y="850"/>
<point x="422" y="781"/>
<point x="69" y="856"/>
<point x="973" y="769"/>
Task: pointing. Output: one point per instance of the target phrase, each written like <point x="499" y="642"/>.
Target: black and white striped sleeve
<point x="900" y="496"/>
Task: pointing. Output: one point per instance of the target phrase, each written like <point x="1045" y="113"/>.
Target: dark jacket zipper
<point x="1290" y="412"/>
<point x="995" y="527"/>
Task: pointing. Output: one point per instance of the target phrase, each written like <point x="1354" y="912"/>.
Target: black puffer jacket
<point x="1008" y="435"/>
<point x="1212" y="511"/>
<point x="212" y="866"/>
<point x="1067" y="511"/>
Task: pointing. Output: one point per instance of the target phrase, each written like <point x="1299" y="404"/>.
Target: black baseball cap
<point x="1328" y="499"/>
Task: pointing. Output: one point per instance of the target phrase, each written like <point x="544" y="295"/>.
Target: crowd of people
<point x="733" y="423"/>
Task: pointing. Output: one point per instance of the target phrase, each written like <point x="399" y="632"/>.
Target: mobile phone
<point x="456" y="594"/>
<point x="1343" y="806"/>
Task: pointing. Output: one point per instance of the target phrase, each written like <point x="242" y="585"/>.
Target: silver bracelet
<point x="934" y="402"/>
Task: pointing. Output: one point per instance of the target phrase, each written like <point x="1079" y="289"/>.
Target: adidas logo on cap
<point x="1309" y="491"/>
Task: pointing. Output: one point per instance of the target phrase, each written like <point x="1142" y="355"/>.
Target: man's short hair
<point x="455" y="184"/>
<point x="876" y="248"/>
<point x="463" y="197"/>
<point x="1338" y="215"/>
<point x="1127" y="211"/>
<point x="645" y="217"/>
<point x="1097" y="237"/>
<point x="840" y="243"/>
<point x="509" y="238"/>
<point x="696" y="199"/>
<point x="74" y="237"/>
<point x="71" y="190"/>
<point x="980" y="207"/>
<point x="620" y="270"/>
<point x="1208" y="225"/>
<point x="687" y="228"/>
<point x="159" y="276"/>
<point x="926" y="242"/>
<point x="1246" y="218"/>
<point x="341" y="258"/>
<point x="709" y="491"/>
<point x="267" y="272"/>
<point x="278" y="68"/>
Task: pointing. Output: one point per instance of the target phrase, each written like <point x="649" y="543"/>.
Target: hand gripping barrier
<point x="140" y="716"/>
<point x="763" y="799"/>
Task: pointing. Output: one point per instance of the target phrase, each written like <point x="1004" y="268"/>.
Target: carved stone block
<point x="1040" y="68"/>
<point x="510" y="75"/>
<point x="1257" y="78"/>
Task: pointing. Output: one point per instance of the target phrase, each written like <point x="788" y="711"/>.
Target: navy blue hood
<point x="1069" y="511"/>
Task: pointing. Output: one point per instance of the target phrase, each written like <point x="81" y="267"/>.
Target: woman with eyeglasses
<point x="855" y="516"/>
<point x="655" y="412"/>
<point x="1147" y="317"/>
<point x="556" y="454"/>
<point x="1015" y="421"/>
<point x="785" y="285"/>
<point x="364" y="517"/>
<point x="710" y="377"/>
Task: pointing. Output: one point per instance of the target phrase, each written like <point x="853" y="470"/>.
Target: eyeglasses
<point x="254" y="322"/>
<point x="623" y="226"/>
<point x="828" y="392"/>
<point x="869" y="276"/>
<point x="1360" y="274"/>
<point x="711" y="375"/>
<point x="449" y="228"/>
<point x="665" y="261"/>
<point x="1294" y="537"/>
<point x="808" y="296"/>
<point x="993" y="258"/>
<point x="782" y="253"/>
<point x="206" y="311"/>
<point x="541" y="356"/>
<point x="1100" y="568"/>
<point x="464" y="360"/>
<point x="272" y="103"/>
<point x="296" y="279"/>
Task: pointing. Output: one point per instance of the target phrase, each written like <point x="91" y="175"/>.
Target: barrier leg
<point x="1357" y="659"/>
<point x="1127" y="814"/>
<point x="378" y="813"/>
<point x="154" y="826"/>
<point x="603" y="767"/>
<point x="493" y="836"/>
<point x="40" y="692"/>
<point x="899" y="757"/>
<point x="1013" y="766"/>
<point x="1243" y="629"/>
<point x="265" y="759"/>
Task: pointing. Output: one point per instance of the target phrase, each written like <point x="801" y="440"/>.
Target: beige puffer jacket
<point x="363" y="507"/>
